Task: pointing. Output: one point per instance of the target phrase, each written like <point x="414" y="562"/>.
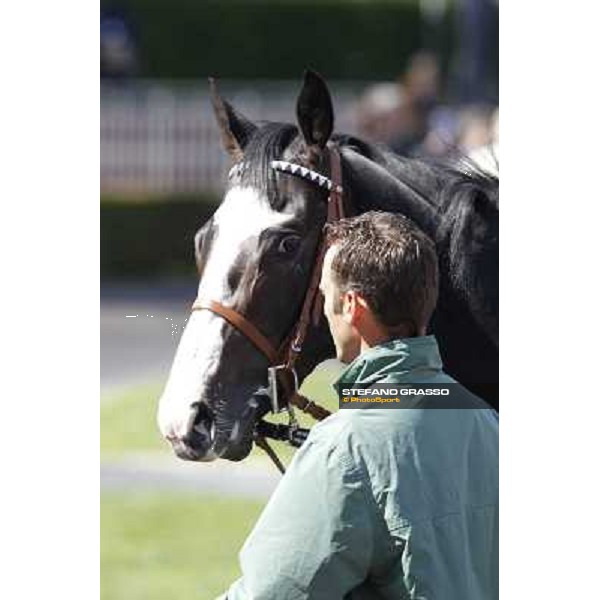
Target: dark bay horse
<point x="256" y="253"/>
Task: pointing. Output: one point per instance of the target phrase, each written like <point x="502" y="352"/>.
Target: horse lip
<point x="187" y="452"/>
<point x="218" y="448"/>
<point x="237" y="453"/>
<point x="227" y="445"/>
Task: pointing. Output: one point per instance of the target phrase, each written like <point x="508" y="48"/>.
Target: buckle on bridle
<point x="276" y="406"/>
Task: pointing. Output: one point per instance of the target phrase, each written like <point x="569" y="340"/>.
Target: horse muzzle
<point x="211" y="437"/>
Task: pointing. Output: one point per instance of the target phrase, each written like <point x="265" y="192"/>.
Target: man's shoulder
<point x="336" y="439"/>
<point x="372" y="431"/>
<point x="358" y="436"/>
<point x="330" y="431"/>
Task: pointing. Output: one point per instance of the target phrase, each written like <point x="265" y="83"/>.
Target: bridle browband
<point x="308" y="174"/>
<point x="282" y="359"/>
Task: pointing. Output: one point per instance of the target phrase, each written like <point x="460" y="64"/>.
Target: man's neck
<point x="380" y="336"/>
<point x="367" y="344"/>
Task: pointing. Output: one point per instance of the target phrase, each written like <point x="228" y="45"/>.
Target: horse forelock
<point x="268" y="143"/>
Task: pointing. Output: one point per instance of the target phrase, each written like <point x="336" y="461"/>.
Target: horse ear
<point x="236" y="129"/>
<point x="314" y="110"/>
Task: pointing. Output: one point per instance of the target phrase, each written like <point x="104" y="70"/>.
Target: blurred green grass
<point x="128" y="418"/>
<point x="175" y="545"/>
<point x="128" y="421"/>
<point x="157" y="546"/>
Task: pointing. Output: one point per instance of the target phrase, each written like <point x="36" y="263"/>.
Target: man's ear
<point x="236" y="130"/>
<point x="349" y="307"/>
<point x="314" y="111"/>
<point x="354" y="307"/>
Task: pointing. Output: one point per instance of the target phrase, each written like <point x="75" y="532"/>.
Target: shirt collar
<point x="400" y="357"/>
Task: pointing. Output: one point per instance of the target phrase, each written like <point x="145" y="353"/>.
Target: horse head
<point x="254" y="257"/>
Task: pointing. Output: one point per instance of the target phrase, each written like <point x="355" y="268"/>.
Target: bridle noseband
<point x="282" y="359"/>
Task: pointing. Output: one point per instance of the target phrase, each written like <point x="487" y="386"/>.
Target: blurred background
<point x="418" y="75"/>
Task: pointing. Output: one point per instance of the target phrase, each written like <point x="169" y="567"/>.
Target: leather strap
<point x="261" y="442"/>
<point x="313" y="300"/>
<point x="242" y="324"/>
<point x="316" y="411"/>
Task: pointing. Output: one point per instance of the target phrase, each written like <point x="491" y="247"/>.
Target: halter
<point x="283" y="358"/>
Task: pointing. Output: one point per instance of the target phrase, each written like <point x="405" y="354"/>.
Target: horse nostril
<point x="201" y="435"/>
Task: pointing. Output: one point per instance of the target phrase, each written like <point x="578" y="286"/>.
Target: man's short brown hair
<point x="388" y="260"/>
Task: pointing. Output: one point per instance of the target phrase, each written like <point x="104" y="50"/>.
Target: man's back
<point x="385" y="503"/>
<point x="433" y="471"/>
<point x="434" y="481"/>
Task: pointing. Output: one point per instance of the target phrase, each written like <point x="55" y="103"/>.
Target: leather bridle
<point x="282" y="359"/>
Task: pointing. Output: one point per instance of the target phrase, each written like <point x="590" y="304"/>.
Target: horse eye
<point x="289" y="244"/>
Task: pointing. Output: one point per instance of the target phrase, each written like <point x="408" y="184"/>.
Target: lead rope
<point x="262" y="443"/>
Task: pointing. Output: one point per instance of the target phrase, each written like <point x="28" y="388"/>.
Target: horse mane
<point x="464" y="195"/>
<point x="267" y="144"/>
<point x="469" y="200"/>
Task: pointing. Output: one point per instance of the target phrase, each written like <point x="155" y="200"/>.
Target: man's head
<point x="379" y="280"/>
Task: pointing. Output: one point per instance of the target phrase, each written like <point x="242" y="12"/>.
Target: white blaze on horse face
<point x="242" y="216"/>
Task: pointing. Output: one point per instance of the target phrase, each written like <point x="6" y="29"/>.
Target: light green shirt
<point x="384" y="503"/>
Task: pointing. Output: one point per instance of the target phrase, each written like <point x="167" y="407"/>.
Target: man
<point x="383" y="503"/>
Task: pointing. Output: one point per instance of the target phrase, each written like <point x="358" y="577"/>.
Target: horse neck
<point x="392" y="184"/>
<point x="369" y="186"/>
<point x="373" y="186"/>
